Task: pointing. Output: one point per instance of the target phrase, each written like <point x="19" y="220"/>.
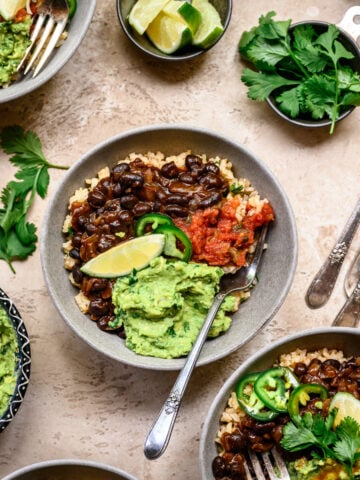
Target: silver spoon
<point x="324" y="281"/>
<point x="159" y="435"/>
<point x="349" y="314"/>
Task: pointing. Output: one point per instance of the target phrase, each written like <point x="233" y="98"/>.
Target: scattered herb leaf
<point x="307" y="73"/>
<point x="18" y="236"/>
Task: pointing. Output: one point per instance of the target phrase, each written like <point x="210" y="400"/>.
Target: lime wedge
<point x="347" y="405"/>
<point x="144" y="12"/>
<point x="169" y="34"/>
<point x="210" y="28"/>
<point x="183" y="12"/>
<point x="9" y="8"/>
<point x="122" y="259"/>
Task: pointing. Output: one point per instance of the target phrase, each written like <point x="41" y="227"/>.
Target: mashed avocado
<point x="14" y="39"/>
<point x="319" y="469"/>
<point x="163" y="306"/>
<point x="8" y="352"/>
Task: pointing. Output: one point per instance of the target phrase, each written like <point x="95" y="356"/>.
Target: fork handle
<point x="159" y="435"/>
<point x="349" y="315"/>
<point x="324" y="281"/>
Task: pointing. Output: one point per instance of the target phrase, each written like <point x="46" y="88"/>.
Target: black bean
<point x="169" y="170"/>
<point x="106" y="242"/>
<point x="141" y="208"/>
<point x="210" y="200"/>
<point x="132" y="180"/>
<point x="77" y="274"/>
<point x="176" y="199"/>
<point x="188" y="177"/>
<point x="129" y="201"/>
<point x="96" y="198"/>
<point x="192" y="161"/>
<point x="334" y="363"/>
<point x="103" y="322"/>
<point x="99" y="307"/>
<point x="211" y="167"/>
<point x="117" y="190"/>
<point x="125" y="217"/>
<point x="97" y="284"/>
<point x="118" y="170"/>
<point x="210" y="180"/>
<point x="74" y="253"/>
<point x="176" y="210"/>
<point x="219" y="467"/>
<point x="76" y="240"/>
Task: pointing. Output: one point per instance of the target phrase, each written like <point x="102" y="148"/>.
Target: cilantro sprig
<point x="316" y="433"/>
<point x="307" y="73"/>
<point x="18" y="236"/>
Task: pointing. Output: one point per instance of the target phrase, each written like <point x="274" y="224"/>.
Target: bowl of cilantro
<point x="298" y="397"/>
<point x="308" y="72"/>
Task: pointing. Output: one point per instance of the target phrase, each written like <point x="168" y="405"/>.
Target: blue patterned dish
<point x="24" y="360"/>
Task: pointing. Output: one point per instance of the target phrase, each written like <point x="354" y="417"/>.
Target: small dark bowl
<point x="23" y="360"/>
<point x="349" y="44"/>
<point x="123" y="7"/>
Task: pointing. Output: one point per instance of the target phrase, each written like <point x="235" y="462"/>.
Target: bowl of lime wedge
<point x="172" y="29"/>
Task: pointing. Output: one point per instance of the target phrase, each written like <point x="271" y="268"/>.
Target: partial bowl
<point x="76" y="29"/>
<point x="339" y="338"/>
<point x="349" y="31"/>
<point x="69" y="470"/>
<point x="22" y="360"/>
<point x="278" y="262"/>
<point x="123" y="7"/>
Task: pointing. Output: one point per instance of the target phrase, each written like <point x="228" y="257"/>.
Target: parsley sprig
<point x="308" y="74"/>
<point x="313" y="431"/>
<point x="18" y="236"/>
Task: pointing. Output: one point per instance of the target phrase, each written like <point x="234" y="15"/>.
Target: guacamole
<point x="14" y="39"/>
<point x="320" y="469"/>
<point x="8" y="360"/>
<point x="163" y="306"/>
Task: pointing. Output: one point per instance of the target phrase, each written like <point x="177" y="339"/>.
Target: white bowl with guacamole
<point x="15" y="360"/>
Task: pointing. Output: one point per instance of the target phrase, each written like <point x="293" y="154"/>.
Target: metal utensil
<point x="324" y="281"/>
<point x="51" y="20"/>
<point x="349" y="314"/>
<point x="266" y="466"/>
<point x="159" y="435"/>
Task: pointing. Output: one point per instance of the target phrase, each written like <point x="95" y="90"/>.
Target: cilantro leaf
<point x="18" y="236"/>
<point x="317" y="64"/>
<point x="263" y="84"/>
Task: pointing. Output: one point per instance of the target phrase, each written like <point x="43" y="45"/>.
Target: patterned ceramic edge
<point x="24" y="360"/>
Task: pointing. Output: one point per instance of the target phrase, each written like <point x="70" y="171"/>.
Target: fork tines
<point x="47" y="29"/>
<point x="266" y="466"/>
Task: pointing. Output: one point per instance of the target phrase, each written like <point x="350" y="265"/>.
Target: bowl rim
<point x="67" y="462"/>
<point x="243" y="367"/>
<point x="57" y="61"/>
<point x="186" y="55"/>
<point x="139" y="361"/>
<point x="301" y="122"/>
<point x="24" y="360"/>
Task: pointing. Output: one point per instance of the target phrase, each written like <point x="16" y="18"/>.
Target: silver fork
<point x="49" y="23"/>
<point x="266" y="466"/>
<point x="159" y="435"/>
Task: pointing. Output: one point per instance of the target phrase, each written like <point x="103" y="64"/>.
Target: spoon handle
<point x="349" y="315"/>
<point x="159" y="435"/>
<point x="323" y="283"/>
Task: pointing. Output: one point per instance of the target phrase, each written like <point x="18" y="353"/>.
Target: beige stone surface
<point x="80" y="404"/>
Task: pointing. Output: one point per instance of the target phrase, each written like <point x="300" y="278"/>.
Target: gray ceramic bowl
<point x="278" y="262"/>
<point x="224" y="7"/>
<point x="77" y="29"/>
<point x="69" y="470"/>
<point x="350" y="44"/>
<point x="341" y="338"/>
<point x="23" y="360"/>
